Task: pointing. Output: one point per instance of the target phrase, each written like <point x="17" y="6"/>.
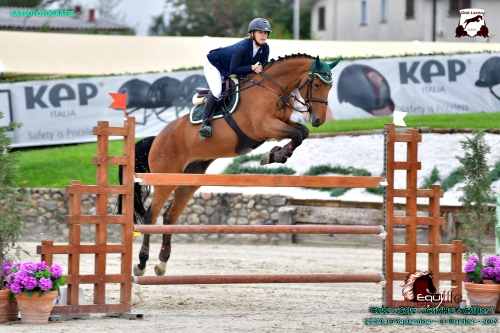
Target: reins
<point x="282" y="97"/>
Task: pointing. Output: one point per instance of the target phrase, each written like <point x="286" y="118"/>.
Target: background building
<point x="83" y="22"/>
<point x="396" y="20"/>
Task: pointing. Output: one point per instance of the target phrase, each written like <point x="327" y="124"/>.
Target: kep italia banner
<point x="420" y="85"/>
<point x="65" y="111"/>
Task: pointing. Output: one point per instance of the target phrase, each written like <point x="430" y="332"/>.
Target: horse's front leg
<point x="279" y="130"/>
<point x="182" y="195"/>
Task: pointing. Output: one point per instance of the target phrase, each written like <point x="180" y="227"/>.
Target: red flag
<point x="119" y="102"/>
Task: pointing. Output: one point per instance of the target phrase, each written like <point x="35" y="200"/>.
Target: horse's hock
<point x="391" y="280"/>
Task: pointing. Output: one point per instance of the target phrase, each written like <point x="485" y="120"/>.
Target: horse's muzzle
<point x="316" y="121"/>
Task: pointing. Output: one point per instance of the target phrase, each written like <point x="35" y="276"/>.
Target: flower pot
<point x="483" y="295"/>
<point x="14" y="310"/>
<point x="497" y="309"/>
<point x="34" y="309"/>
<point x="4" y="306"/>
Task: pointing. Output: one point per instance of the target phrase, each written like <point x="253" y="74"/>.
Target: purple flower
<point x="471" y="265"/>
<point x="29" y="267"/>
<point x="30" y="276"/>
<point x="29" y="282"/>
<point x="467" y="279"/>
<point x="40" y="266"/>
<point x="7" y="265"/>
<point x="45" y="284"/>
<point x="56" y="271"/>
<point x="16" y="288"/>
<point x="493" y="261"/>
<point x="489" y="272"/>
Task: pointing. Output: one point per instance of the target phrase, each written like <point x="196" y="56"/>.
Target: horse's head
<point x="316" y="89"/>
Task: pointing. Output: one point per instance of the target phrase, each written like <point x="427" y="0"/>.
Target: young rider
<point x="241" y="58"/>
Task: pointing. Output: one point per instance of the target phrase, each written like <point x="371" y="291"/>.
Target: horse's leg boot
<point x="206" y="125"/>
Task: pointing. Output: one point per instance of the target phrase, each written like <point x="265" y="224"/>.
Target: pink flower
<point x="56" y="271"/>
<point x="45" y="284"/>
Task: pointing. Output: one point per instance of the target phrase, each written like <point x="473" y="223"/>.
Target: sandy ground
<point x="252" y="308"/>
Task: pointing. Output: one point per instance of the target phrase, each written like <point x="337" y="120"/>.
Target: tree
<point x="11" y="200"/>
<point x="477" y="197"/>
<point x="20" y="3"/>
<point x="228" y="18"/>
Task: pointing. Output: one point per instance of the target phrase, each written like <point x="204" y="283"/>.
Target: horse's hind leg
<point x="160" y="196"/>
<point x="182" y="195"/>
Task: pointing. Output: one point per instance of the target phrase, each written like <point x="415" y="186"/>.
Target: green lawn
<point x="468" y="120"/>
<point x="54" y="167"/>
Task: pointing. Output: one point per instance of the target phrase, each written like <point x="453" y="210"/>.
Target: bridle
<point x="285" y="98"/>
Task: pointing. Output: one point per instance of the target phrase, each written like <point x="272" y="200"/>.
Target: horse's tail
<point x="142" y="149"/>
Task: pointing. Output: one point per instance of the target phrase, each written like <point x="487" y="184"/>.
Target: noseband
<point x="286" y="97"/>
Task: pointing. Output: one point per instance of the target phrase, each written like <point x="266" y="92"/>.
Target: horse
<point x="263" y="113"/>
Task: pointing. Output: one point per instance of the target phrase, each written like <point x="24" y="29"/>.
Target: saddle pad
<point x="196" y="113"/>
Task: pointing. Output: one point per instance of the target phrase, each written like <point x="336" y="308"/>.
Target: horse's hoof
<point x="138" y="271"/>
<point x="267" y="157"/>
<point x="159" y="271"/>
<point x="201" y="137"/>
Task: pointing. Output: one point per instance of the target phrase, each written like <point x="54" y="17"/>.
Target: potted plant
<point x="11" y="202"/>
<point x="35" y="282"/>
<point x="478" y="221"/>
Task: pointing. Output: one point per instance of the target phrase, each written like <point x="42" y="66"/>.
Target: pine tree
<point x="477" y="197"/>
<point x="11" y="200"/>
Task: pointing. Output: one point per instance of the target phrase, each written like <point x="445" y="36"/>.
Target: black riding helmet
<point x="364" y="87"/>
<point x="489" y="75"/>
<point x="259" y="24"/>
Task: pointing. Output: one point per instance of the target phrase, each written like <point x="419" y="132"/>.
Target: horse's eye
<point x="316" y="85"/>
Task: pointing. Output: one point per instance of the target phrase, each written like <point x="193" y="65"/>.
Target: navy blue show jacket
<point x="238" y="58"/>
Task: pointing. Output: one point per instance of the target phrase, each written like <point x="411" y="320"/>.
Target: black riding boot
<point x="206" y="126"/>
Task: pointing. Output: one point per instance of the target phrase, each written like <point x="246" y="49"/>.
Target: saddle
<point x="228" y="84"/>
<point x="230" y="102"/>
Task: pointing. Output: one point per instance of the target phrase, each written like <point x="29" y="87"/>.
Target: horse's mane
<point x="280" y="58"/>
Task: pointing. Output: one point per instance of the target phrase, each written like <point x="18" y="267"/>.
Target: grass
<point x="54" y="167"/>
<point x="466" y="120"/>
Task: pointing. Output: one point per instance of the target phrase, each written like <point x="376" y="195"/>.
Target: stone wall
<point x="48" y="223"/>
<point x="206" y="208"/>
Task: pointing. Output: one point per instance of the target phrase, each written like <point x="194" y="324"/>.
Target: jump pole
<point x="276" y="278"/>
<point x="260" y="229"/>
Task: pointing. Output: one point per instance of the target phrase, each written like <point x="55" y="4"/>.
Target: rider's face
<point x="260" y="36"/>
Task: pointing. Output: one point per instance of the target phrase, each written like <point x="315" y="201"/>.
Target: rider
<point x="241" y="58"/>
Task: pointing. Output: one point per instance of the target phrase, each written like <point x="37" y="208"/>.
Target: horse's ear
<point x="333" y="64"/>
<point x="318" y="63"/>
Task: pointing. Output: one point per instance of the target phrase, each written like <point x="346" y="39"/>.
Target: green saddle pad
<point x="196" y="113"/>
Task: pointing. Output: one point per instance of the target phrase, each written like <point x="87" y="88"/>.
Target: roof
<point x="77" y="22"/>
<point x="53" y="54"/>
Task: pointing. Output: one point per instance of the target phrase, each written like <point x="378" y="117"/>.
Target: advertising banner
<point x="65" y="111"/>
<point x="422" y="85"/>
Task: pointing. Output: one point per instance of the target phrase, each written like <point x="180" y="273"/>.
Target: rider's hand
<point x="257" y="68"/>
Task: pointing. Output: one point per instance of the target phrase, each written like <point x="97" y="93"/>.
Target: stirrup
<point x="205" y="132"/>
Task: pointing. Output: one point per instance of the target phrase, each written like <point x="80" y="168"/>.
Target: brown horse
<point x="264" y="111"/>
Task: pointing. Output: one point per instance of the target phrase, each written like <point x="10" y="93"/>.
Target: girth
<point x="245" y="143"/>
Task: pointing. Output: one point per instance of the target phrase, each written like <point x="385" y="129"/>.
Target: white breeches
<point x="214" y="79"/>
